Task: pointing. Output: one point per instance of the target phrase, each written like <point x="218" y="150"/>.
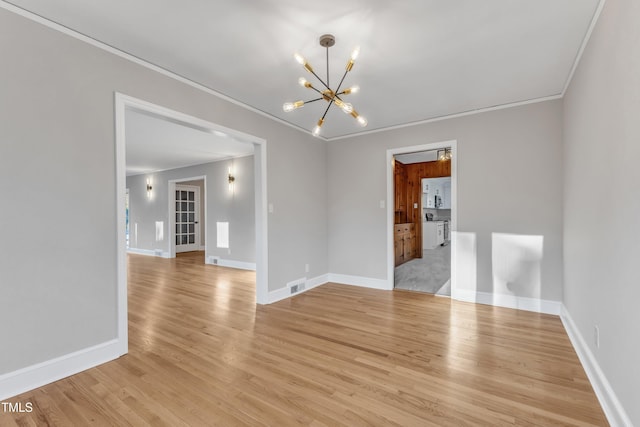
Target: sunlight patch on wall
<point x="516" y="264"/>
<point x="222" y="234"/>
<point x="159" y="231"/>
<point x="465" y="260"/>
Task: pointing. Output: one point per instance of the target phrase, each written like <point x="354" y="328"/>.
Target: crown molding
<point x="585" y="41"/>
<point x="96" y="43"/>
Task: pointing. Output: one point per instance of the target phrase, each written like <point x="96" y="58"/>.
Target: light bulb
<point x="303" y="82"/>
<point x="347" y="107"/>
<point x="290" y="106"/>
<point x="352" y="59"/>
<point x="362" y="121"/>
<point x="355" y="53"/>
<point x="316" y="130"/>
<point x="299" y="58"/>
<point x="353" y="89"/>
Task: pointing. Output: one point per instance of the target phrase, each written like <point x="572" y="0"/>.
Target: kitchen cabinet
<point x="405" y="244"/>
<point x="433" y="234"/>
<point x="436" y="187"/>
<point x="400" y="191"/>
<point x="446" y="194"/>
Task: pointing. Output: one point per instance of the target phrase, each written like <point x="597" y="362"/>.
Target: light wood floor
<point x="202" y="353"/>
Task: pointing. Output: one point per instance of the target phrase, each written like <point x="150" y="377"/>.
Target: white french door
<point x="187" y="202"/>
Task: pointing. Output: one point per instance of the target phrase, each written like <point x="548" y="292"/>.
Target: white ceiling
<point x="419" y="59"/>
<point x="155" y="144"/>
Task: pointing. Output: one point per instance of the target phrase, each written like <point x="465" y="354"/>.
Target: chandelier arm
<point x="327" y="110"/>
<point x="311" y="87"/>
<point x="319" y="79"/>
<point x="341" y="80"/>
<point x="313" y="100"/>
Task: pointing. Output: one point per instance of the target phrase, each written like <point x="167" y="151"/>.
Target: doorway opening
<point x="187" y="215"/>
<point x="422" y="217"/>
<point x="187" y="204"/>
<point x="150" y="189"/>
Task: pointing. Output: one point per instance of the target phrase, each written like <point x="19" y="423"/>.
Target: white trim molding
<point x="585" y="41"/>
<point x="365" y="282"/>
<point x="31" y="377"/>
<point x="285" y="292"/>
<point x="508" y="301"/>
<point x="611" y="405"/>
<point x="449" y="116"/>
<point x="241" y="265"/>
<point x="149" y="252"/>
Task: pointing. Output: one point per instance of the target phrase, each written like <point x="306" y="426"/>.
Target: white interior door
<point x="187" y="202"/>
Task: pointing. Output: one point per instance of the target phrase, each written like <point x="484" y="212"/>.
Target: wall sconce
<point x="231" y="180"/>
<point x="149" y="188"/>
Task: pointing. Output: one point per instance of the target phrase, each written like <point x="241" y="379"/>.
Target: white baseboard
<point x="613" y="409"/>
<point x="365" y="282"/>
<point x="317" y="281"/>
<point x="241" y="265"/>
<point x="508" y="301"/>
<point x="31" y="377"/>
<point x="283" y="293"/>
<point x="148" y="252"/>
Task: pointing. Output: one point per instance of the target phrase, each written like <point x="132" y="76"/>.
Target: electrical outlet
<point x="306" y="268"/>
<point x="596" y="335"/>
<point x="381" y="204"/>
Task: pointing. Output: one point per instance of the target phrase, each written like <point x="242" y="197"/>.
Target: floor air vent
<point x="297" y="286"/>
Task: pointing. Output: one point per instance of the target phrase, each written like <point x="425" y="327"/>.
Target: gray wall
<point x="602" y="207"/>
<point x="57" y="168"/>
<point x="509" y="181"/>
<point x="237" y="208"/>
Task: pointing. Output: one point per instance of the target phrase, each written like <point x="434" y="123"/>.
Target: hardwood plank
<point x="202" y="353"/>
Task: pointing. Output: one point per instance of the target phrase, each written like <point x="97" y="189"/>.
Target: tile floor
<point x="431" y="273"/>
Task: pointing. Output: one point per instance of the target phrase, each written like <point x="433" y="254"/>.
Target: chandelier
<point x="325" y="92"/>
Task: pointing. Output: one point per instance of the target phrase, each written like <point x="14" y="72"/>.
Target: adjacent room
<point x="422" y="221"/>
<point x="190" y="189"/>
<point x="347" y="213"/>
